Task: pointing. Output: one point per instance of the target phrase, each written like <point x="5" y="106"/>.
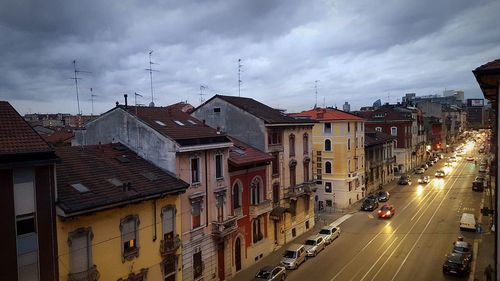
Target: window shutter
<point x="128" y="230"/>
<point x="168" y="220"/>
<point x="79" y="259"/>
<point x="24" y="191"/>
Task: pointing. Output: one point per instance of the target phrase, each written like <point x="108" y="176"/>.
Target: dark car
<point x="478" y="185"/>
<point x="457" y="264"/>
<point x="372" y="197"/>
<point x="269" y="273"/>
<point x="369" y="204"/>
<point x="424" y="179"/>
<point x="383" y="196"/>
<point x="386" y="211"/>
<point x="430" y="163"/>
<point x="404" y="180"/>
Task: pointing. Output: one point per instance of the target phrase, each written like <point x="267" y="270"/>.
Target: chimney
<point x="117" y="103"/>
<point x="126" y="103"/>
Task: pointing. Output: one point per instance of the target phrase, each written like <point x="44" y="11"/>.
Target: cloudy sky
<point x="359" y="51"/>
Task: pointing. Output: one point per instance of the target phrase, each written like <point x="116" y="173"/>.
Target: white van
<point x="468" y="222"/>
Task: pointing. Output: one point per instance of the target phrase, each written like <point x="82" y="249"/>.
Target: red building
<point x="247" y="171"/>
<point x="27" y="201"/>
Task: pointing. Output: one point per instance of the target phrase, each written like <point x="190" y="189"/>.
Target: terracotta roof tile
<point x="96" y="166"/>
<point x="242" y="154"/>
<point x="327" y="114"/>
<point x="16" y="135"/>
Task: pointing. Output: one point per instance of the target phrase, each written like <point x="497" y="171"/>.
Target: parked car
<point x="314" y="245"/>
<point x="419" y="171"/>
<point x="404" y="180"/>
<point x="462" y="247"/>
<point x="294" y="256"/>
<point x="478" y="185"/>
<point x="470" y="158"/>
<point x="424" y="180"/>
<point x="480" y="178"/>
<point x="453" y="159"/>
<point x="372" y="196"/>
<point x="271" y="273"/>
<point x="369" y="204"/>
<point x="386" y="211"/>
<point x="482" y="169"/>
<point x="425" y="166"/>
<point x="429" y="163"/>
<point x="330" y="233"/>
<point x="440" y="174"/>
<point x="383" y="196"/>
<point x="457" y="264"/>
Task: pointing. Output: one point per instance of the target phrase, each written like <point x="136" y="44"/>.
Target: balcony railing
<point x="90" y="274"/>
<point x="302" y="189"/>
<point x="274" y="147"/>
<point x="260" y="208"/>
<point x="224" y="228"/>
<point x="170" y="246"/>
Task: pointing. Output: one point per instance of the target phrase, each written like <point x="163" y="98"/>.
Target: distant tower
<point x="346" y="107"/>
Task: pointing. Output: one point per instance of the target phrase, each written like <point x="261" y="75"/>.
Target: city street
<point x="411" y="245"/>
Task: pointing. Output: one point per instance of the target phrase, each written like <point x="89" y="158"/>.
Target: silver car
<point x="330" y="233"/>
<point x="314" y="245"/>
<point x="294" y="256"/>
<point x="271" y="273"/>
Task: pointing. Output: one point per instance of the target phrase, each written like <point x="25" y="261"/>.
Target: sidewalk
<point x="485" y="251"/>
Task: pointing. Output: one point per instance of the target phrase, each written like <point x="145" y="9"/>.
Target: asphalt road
<point x="412" y="244"/>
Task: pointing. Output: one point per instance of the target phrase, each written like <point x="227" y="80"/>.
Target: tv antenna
<point x="239" y="77"/>
<point x="202" y="87"/>
<point x="316" y="93"/>
<point x="76" y="78"/>
<point x="150" y="69"/>
<point x="92" y="101"/>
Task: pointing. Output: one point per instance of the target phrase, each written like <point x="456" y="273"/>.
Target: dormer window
<point x="179" y="123"/>
<point x="160" y="123"/>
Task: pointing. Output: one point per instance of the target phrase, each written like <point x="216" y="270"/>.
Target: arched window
<point x="306" y="144"/>
<point x="306" y="169"/>
<point x="348" y="144"/>
<point x="291" y="140"/>
<point x="256" y="192"/>
<point x="237" y="190"/>
<point x="328" y="167"/>
<point x="328" y="145"/>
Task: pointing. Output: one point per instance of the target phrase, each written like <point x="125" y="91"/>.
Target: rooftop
<point x="374" y="137"/>
<point x="98" y="177"/>
<point x="327" y="114"/>
<point x="242" y="154"/>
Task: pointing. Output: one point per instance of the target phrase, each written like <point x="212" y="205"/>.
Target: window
<point x="276" y="193"/>
<point x="168" y="222"/>
<point x="348" y="127"/>
<point x="274" y="137"/>
<point x="306" y="144"/>
<point x="256" y="192"/>
<point x="195" y="170"/>
<point x="216" y="109"/>
<point x="291" y="140"/>
<point x="276" y="164"/>
<point x="196" y="213"/>
<point x="307" y="224"/>
<point x="394" y="131"/>
<point x="328" y="167"/>
<point x="257" y="230"/>
<point x="80" y="251"/>
<point x="293" y="174"/>
<point x="197" y="265"/>
<point x="328" y="145"/>
<point x="294" y="232"/>
<point x="129" y="233"/>
<point x="169" y="268"/>
<point x="349" y="165"/>
<point x="306" y="169"/>
<point x="329" y="203"/>
<point x="237" y="191"/>
<point x="356" y="142"/>
<point x="219" y="204"/>
<point x="348" y="144"/>
<point x="328" y="128"/>
<point x="219" y="166"/>
<point x="328" y="187"/>
<point x="378" y="129"/>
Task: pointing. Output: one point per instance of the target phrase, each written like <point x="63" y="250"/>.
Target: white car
<point x="314" y="245"/>
<point x="419" y="171"/>
<point x="330" y="233"/>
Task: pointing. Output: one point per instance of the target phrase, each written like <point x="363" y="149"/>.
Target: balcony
<point x="170" y="246"/>
<point x="274" y="148"/>
<point x="261" y="208"/>
<point x="89" y="275"/>
<point x="222" y="229"/>
<point x="302" y="189"/>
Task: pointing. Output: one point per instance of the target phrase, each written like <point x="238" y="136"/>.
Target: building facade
<point x="27" y="201"/>
<point x="379" y="159"/>
<point x="338" y="156"/>
<point x="288" y="141"/>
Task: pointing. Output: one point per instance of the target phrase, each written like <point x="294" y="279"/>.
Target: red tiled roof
<point x="58" y="136"/>
<point x="242" y="154"/>
<point x="177" y="125"/>
<point x="489" y="65"/>
<point x="94" y="166"/>
<point x="327" y="114"/>
<point x="16" y="135"/>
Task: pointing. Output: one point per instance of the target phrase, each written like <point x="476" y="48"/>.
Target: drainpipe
<point x="154" y="221"/>
<point x="206" y="186"/>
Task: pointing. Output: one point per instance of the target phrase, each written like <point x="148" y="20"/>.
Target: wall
<point x="106" y="243"/>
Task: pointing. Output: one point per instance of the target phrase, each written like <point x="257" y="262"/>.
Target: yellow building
<point x="338" y="156"/>
<point x="118" y="216"/>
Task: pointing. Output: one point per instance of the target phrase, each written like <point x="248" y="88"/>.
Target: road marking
<point x="371" y="216"/>
<point x="474" y="258"/>
<point x="341" y="220"/>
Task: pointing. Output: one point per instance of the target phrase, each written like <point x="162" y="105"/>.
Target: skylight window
<point x="160" y="123"/>
<point x="192" y="122"/>
<point x="179" y="123"/>
<point x="116" y="182"/>
<point x="80" y="187"/>
<point x="150" y="176"/>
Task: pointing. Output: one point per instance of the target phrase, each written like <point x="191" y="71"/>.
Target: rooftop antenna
<point x="239" y="77"/>
<point x="92" y="101"/>
<point x="76" y="78"/>
<point x="150" y="69"/>
<point x="202" y="87"/>
<point x="316" y="93"/>
<point x="324" y="106"/>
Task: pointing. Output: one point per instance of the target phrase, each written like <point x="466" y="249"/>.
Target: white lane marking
<point x="371" y="216"/>
<point x="474" y="258"/>
<point x="425" y="228"/>
<point x="341" y="220"/>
